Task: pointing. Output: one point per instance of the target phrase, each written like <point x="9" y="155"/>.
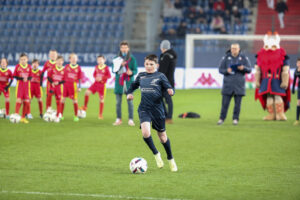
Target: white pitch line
<point x="85" y="195"/>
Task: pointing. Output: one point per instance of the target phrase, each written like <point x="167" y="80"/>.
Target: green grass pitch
<point x="90" y="159"/>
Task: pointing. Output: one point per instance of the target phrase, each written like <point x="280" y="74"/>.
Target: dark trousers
<point x="168" y="102"/>
<point x="225" y="105"/>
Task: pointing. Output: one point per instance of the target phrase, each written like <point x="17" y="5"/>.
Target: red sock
<point x="57" y="107"/>
<point x="101" y="108"/>
<point x="7" y="107"/>
<point x="29" y="108"/>
<point x="41" y="107"/>
<point x="25" y="109"/>
<point x="62" y="107"/>
<point x="18" y="106"/>
<point x="48" y="101"/>
<point x="76" y="109"/>
<point x="86" y="100"/>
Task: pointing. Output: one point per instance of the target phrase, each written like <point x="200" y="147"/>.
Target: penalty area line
<point x="85" y="195"/>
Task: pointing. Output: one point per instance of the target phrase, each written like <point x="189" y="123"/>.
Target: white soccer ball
<point x="138" y="166"/>
<point x="81" y="113"/>
<point x="14" y="118"/>
<point x="48" y="117"/>
<point x="2" y="113"/>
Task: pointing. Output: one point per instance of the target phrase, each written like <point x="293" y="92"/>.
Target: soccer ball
<point x="81" y="114"/>
<point x="48" y="117"/>
<point x="138" y="166"/>
<point x="2" y="113"/>
<point x="14" y="118"/>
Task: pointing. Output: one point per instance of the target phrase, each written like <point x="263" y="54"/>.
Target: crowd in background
<point x="198" y="16"/>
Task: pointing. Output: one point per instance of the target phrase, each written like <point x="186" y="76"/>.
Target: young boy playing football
<point x="297" y="75"/>
<point x="151" y="109"/>
<point x="50" y="64"/>
<point x="71" y="77"/>
<point x="35" y="87"/>
<point x="101" y="74"/>
<point x="6" y="79"/>
<point x="56" y="78"/>
<point x="23" y="75"/>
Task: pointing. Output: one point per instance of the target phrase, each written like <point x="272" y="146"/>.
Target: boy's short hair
<point x="72" y="54"/>
<point x="35" y="61"/>
<point x="54" y="50"/>
<point x="124" y="42"/>
<point x="298" y="59"/>
<point x="59" y="57"/>
<point x="152" y="57"/>
<point x="101" y="56"/>
<point x="5" y="60"/>
<point x="23" y="55"/>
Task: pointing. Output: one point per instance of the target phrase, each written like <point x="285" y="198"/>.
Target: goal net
<point x="203" y="54"/>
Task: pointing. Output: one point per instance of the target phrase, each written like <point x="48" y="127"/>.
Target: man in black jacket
<point x="167" y="63"/>
<point x="234" y="66"/>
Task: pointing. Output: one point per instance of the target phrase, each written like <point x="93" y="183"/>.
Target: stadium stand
<point x="66" y="25"/>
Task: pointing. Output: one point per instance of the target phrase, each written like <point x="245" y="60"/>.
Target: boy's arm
<point x="134" y="85"/>
<point x="294" y="82"/>
<point x="11" y="79"/>
<point x="166" y="85"/>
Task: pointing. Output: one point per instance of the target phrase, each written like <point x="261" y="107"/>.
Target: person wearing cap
<point x="167" y="64"/>
<point x="234" y="65"/>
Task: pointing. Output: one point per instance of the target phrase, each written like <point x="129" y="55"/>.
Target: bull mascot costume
<point x="272" y="78"/>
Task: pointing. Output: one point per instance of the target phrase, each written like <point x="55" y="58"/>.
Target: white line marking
<point x="85" y="195"/>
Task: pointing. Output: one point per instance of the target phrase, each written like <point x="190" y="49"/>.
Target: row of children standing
<point x="62" y="82"/>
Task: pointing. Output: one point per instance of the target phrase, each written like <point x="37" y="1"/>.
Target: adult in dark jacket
<point x="167" y="64"/>
<point x="234" y="65"/>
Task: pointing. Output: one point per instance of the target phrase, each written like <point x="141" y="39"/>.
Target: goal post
<point x="210" y="46"/>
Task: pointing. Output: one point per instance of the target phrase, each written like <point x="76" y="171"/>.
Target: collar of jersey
<point x="73" y="67"/>
<point x="24" y="67"/>
<point x="35" y="71"/>
<point x="59" y="69"/>
<point x="99" y="67"/>
<point x="51" y="61"/>
<point x="3" y="70"/>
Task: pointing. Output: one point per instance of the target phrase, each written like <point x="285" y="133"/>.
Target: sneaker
<point x="41" y="115"/>
<point x="296" y="123"/>
<point x="29" y="116"/>
<point x="173" y="166"/>
<point x="169" y="121"/>
<point x="76" y="119"/>
<point x="131" y="122"/>
<point x="61" y="118"/>
<point x="24" y="120"/>
<point x="220" y="122"/>
<point x="159" y="161"/>
<point x="6" y="116"/>
<point x="117" y="122"/>
<point x="83" y="108"/>
<point x="235" y="122"/>
<point x="100" y="117"/>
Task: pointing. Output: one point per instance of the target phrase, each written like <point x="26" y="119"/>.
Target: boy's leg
<point x="167" y="145"/>
<point x="101" y="107"/>
<point x="118" y="110"/>
<point x="7" y="106"/>
<point x="297" y="111"/>
<point x="86" y="99"/>
<point x="18" y="105"/>
<point x="75" y="107"/>
<point x="62" y="105"/>
<point x="130" y="112"/>
<point x="40" y="106"/>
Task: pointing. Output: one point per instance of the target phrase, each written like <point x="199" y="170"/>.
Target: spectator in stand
<point x="239" y="3"/>
<point x="211" y="4"/>
<point x="192" y="15"/>
<point x="182" y="29"/>
<point x="227" y="17"/>
<point x="219" y="4"/>
<point x="219" y="10"/>
<point x="197" y="30"/>
<point x="223" y="31"/>
<point x="201" y="16"/>
<point x="170" y="11"/>
<point x="237" y="17"/>
<point x="217" y="23"/>
<point x="178" y="4"/>
<point x="228" y="5"/>
<point x="281" y="8"/>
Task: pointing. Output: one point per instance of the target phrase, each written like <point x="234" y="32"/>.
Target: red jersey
<point x="36" y="76"/>
<point x="56" y="74"/>
<point x="102" y="72"/>
<point x="49" y="64"/>
<point x="22" y="72"/>
<point x="72" y="73"/>
<point x="5" y="76"/>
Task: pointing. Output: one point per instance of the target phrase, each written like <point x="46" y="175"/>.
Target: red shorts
<point x="100" y="88"/>
<point x="48" y="87"/>
<point x="2" y="90"/>
<point x="36" y="90"/>
<point x="70" y="90"/>
<point x="57" y="91"/>
<point x="23" y="90"/>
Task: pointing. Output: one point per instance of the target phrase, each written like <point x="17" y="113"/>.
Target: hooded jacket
<point x="167" y="64"/>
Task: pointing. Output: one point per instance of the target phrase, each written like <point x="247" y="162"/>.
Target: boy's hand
<point x="25" y="79"/>
<point x="129" y="96"/>
<point x="55" y="83"/>
<point x="241" y="67"/>
<point x="124" y="63"/>
<point x="98" y="79"/>
<point x="229" y="70"/>
<point x="170" y="92"/>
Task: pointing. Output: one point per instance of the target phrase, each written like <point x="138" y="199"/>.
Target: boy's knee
<point x="162" y="137"/>
<point x="298" y="103"/>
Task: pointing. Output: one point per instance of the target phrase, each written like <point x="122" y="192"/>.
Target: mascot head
<point x="271" y="41"/>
